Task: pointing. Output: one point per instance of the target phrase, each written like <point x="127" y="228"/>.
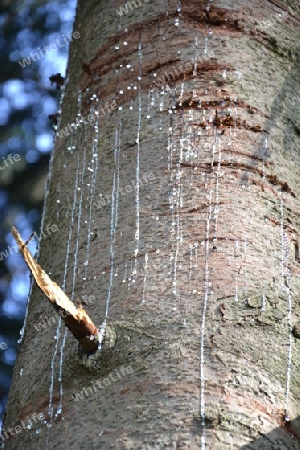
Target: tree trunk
<point x="176" y="198"/>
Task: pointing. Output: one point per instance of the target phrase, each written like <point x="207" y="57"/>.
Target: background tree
<point x="190" y="265"/>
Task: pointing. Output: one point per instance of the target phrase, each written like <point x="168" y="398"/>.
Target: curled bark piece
<point x="76" y="319"/>
<point x="58" y="79"/>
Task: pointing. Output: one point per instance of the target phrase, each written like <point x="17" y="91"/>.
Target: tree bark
<point x="178" y="210"/>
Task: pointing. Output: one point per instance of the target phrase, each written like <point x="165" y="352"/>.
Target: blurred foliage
<point x="26" y="101"/>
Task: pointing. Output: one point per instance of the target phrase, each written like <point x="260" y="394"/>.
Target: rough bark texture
<point x="211" y="246"/>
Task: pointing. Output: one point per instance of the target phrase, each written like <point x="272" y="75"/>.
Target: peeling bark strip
<point x="76" y="319"/>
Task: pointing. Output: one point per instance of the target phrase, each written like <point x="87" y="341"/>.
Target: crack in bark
<point x="273" y="179"/>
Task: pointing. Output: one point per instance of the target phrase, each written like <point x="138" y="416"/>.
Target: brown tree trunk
<point x="178" y="214"/>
